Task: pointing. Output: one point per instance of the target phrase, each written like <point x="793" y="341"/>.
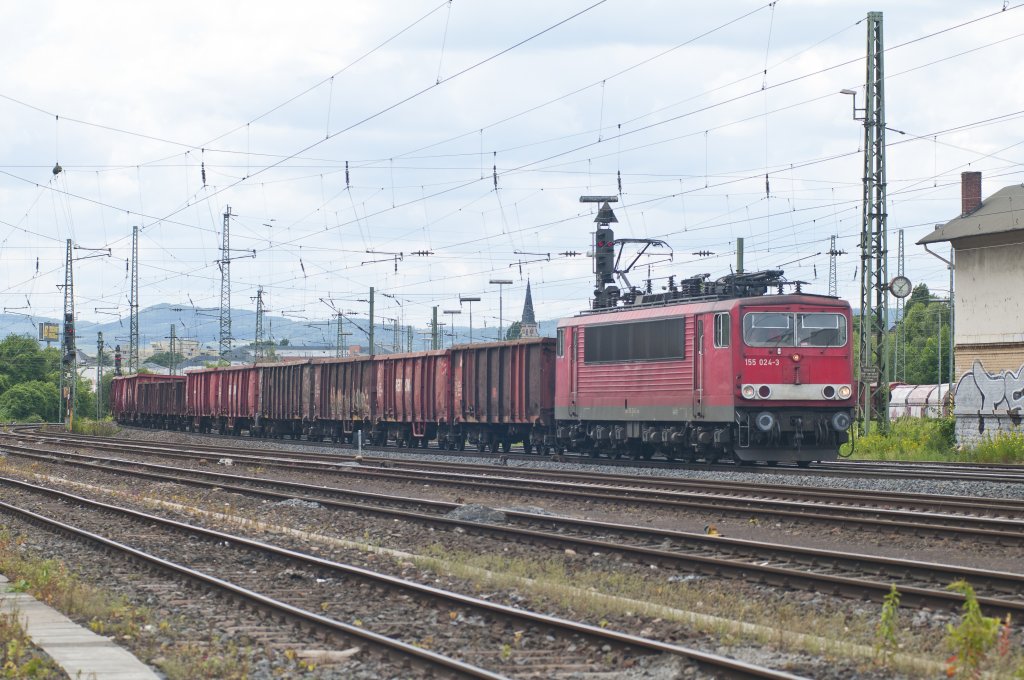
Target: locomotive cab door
<point x="698" y="369"/>
<point x="574" y="372"/>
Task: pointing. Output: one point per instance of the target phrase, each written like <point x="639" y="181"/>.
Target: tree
<point x="166" y="359"/>
<point x="32" y="400"/>
<point x="21" y="359"/>
<point x="514" y="330"/>
<point x="922" y="341"/>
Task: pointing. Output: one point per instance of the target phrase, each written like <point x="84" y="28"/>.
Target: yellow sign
<point x="49" y="332"/>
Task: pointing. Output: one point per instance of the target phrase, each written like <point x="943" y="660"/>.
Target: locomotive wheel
<point x="804" y="463"/>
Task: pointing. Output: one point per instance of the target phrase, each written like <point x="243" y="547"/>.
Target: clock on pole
<point x="900" y="286"/>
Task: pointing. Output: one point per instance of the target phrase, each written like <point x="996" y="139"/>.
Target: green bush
<point x="907" y="439"/>
<point x="1004" y="447"/>
<point x="99" y="428"/>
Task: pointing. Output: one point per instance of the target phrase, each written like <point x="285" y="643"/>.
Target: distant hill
<point x="203" y="325"/>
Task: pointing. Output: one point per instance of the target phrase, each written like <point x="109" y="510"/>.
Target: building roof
<point x="999" y="213"/>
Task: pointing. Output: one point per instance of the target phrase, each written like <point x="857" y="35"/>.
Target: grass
<point x="18" y="657"/>
<point x="98" y="428"/>
<point x="931" y="439"/>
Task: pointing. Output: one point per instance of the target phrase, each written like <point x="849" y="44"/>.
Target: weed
<point x="98" y="428"/>
<point x="886" y="641"/>
<point x="924" y="439"/>
<point x="973" y="639"/>
<point x="18" y="658"/>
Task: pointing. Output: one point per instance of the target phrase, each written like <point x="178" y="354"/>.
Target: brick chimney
<point x="970" y="192"/>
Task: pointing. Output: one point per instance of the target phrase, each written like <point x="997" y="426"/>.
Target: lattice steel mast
<point x="833" y="281"/>
<point x="874" y="291"/>
<point x="133" y="303"/>
<point x="69" y="358"/>
<point x="899" y="361"/>
<point x="225" y="288"/>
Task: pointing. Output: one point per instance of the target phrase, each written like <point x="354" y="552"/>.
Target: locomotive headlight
<point x="844" y="391"/>
<point x="841" y="421"/>
<point x="747" y="391"/>
<point x="765" y="421"/>
<point x="828" y="392"/>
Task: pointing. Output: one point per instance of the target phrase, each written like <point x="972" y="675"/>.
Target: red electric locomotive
<point x="707" y="370"/>
<point x="756" y="379"/>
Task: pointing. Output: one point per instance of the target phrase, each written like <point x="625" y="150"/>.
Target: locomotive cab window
<point x="768" y="329"/>
<point x="821" y="330"/>
<point x="560" y="343"/>
<point x="786" y="329"/>
<point x="636" y="341"/>
<point x="722" y="330"/>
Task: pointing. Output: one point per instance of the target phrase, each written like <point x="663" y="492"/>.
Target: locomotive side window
<point x="821" y="330"/>
<point x="722" y="330"/>
<point x="560" y="343"/>
<point x="768" y="329"/>
<point x="637" y="341"/>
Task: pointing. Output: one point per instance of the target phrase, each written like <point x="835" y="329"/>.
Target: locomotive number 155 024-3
<point x="762" y="361"/>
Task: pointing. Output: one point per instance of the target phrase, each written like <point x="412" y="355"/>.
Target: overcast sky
<point x="691" y="103"/>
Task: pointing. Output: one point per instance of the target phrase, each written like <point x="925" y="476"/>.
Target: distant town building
<point x="528" y="325"/>
<point x="183" y="346"/>
<point x="988" y="245"/>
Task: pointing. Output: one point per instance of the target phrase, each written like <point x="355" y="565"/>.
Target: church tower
<point x="528" y="326"/>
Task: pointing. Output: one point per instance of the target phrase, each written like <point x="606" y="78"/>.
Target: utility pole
<point x="396" y="345"/>
<point x="260" y="351"/>
<point x="225" y="287"/>
<point x="433" y="331"/>
<point x="340" y="341"/>
<point x="470" y="300"/>
<point x="173" y="339"/>
<point x="371" y="322"/>
<point x="69" y="358"/>
<point x="133" y="322"/>
<point x="874" y="284"/>
<point x="99" y="374"/>
<point x="501" y="283"/>
<point x="739" y="255"/>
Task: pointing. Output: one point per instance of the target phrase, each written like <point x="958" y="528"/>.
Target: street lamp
<point x="470" y="300"/>
<point x="452" y="313"/>
<point x="501" y="283"/>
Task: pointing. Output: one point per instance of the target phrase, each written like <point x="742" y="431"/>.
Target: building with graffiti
<point x="988" y="247"/>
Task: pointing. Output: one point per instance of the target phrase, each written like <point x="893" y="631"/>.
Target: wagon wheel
<point x="462" y="443"/>
<point x="527" y="448"/>
<point x="481" y="446"/>
<point x="506" y="445"/>
<point x="804" y="463"/>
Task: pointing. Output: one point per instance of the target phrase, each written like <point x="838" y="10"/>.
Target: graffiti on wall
<point x="982" y="393"/>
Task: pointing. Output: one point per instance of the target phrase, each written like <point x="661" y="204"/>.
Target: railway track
<point x="999" y="473"/>
<point x="997" y="521"/>
<point x="457" y="625"/>
<point x="840" y="573"/>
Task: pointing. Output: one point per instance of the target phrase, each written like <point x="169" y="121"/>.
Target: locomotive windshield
<point x="785" y="329"/>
